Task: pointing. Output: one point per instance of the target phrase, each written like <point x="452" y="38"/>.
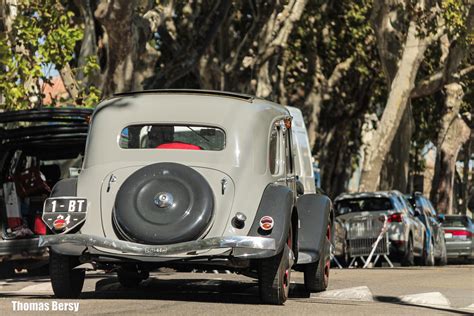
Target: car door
<point x="436" y="230"/>
<point x="289" y="159"/>
<point x="416" y="225"/>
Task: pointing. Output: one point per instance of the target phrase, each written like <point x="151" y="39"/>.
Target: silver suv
<point x="186" y="179"/>
<point x="406" y="232"/>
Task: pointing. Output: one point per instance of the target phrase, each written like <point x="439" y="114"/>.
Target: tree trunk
<point x="394" y="174"/>
<point x="399" y="95"/>
<point x="8" y="13"/>
<point x="454" y="133"/>
<point x="466" y="169"/>
<point x="70" y="82"/>
<point x="89" y="41"/>
<point x="128" y="28"/>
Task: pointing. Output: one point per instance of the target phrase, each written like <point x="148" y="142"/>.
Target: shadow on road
<point x="189" y="290"/>
<point x="196" y="290"/>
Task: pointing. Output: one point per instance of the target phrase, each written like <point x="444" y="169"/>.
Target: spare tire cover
<point x="163" y="203"/>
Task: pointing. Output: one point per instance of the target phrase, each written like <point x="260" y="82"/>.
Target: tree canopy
<point x="374" y="78"/>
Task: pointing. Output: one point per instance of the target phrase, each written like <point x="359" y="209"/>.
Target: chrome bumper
<point x="160" y="250"/>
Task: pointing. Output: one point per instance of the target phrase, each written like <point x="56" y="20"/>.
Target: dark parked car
<point x="435" y="246"/>
<point x="37" y="149"/>
<point x="458" y="231"/>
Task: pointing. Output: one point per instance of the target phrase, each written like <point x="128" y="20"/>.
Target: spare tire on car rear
<point x="163" y="203"/>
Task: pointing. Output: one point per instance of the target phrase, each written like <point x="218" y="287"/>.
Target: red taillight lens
<point x="14" y="222"/>
<point x="40" y="227"/>
<point x="266" y="223"/>
<point x="395" y="218"/>
<point x="459" y="232"/>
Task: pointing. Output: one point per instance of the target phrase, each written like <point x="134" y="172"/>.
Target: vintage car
<point x="188" y="178"/>
<point x="37" y="149"/>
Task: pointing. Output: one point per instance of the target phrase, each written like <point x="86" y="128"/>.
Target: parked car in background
<point x="458" y="231"/>
<point x="37" y="149"/>
<point x="188" y="178"/>
<point x="435" y="246"/>
<point x="406" y="232"/>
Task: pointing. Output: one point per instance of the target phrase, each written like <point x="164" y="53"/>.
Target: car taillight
<point x="459" y="232"/>
<point x="266" y="223"/>
<point x="40" y="227"/>
<point x="395" y="218"/>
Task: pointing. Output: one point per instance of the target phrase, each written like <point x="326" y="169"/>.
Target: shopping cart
<point x="367" y="237"/>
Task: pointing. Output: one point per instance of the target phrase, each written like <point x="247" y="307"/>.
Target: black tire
<point x="443" y="260"/>
<point x="66" y="282"/>
<point x="316" y="274"/>
<point x="274" y="278"/>
<point x="408" y="258"/>
<point x="163" y="203"/>
<point x="7" y="270"/>
<point x="131" y="278"/>
<point x="344" y="259"/>
<point x="428" y="255"/>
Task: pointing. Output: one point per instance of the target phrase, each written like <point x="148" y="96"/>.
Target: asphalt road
<point x="399" y="291"/>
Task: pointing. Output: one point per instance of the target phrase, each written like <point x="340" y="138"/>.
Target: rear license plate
<point x="63" y="214"/>
<point x="65" y="205"/>
<point x="448" y="235"/>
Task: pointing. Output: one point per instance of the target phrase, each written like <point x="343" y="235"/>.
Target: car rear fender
<point x="277" y="202"/>
<point x="314" y="212"/>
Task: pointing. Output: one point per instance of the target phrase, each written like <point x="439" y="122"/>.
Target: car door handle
<point x="111" y="179"/>
<point x="284" y="179"/>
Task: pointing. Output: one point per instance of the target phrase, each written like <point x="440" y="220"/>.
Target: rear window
<point x="159" y="136"/>
<point x="455" y="221"/>
<point x="363" y="205"/>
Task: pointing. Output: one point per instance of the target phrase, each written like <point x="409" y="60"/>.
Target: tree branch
<point x="183" y="64"/>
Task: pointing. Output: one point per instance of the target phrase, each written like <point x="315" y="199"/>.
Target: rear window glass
<point x="456" y="221"/>
<point x="363" y="205"/>
<point x="159" y="136"/>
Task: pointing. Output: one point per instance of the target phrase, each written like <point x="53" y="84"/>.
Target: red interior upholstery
<point x="179" y="145"/>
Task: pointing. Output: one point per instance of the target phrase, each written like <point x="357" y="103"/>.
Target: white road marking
<point x="360" y="293"/>
<point x="469" y="308"/>
<point x="427" y="299"/>
<point x="43" y="288"/>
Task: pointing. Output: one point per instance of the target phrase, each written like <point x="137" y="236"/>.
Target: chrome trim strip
<point x="160" y="250"/>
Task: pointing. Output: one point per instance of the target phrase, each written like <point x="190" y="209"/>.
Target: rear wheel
<point x="274" y="278"/>
<point x="274" y="275"/>
<point x="428" y="255"/>
<point x="66" y="281"/>
<point x="7" y="270"/>
<point x="408" y="257"/>
<point x="443" y="260"/>
<point x="316" y="274"/>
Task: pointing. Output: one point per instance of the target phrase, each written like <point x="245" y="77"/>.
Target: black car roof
<point x="41" y="130"/>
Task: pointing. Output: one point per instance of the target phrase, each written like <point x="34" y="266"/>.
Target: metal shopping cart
<point x="368" y="237"/>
